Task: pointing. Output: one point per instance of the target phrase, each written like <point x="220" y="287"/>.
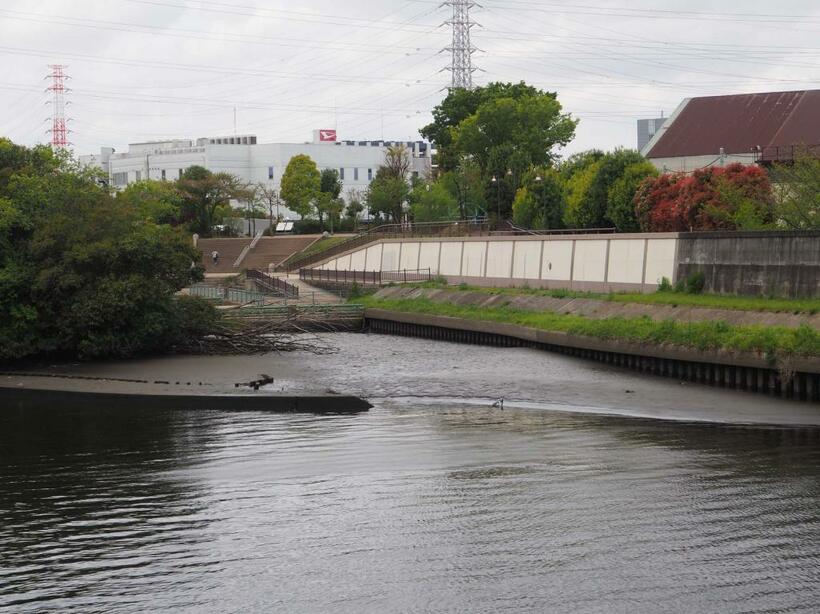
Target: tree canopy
<point x="83" y="274"/>
<point x="300" y="185"/>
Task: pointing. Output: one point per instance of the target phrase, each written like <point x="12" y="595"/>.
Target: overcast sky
<point x="153" y="69"/>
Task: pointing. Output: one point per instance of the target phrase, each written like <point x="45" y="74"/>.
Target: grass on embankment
<point x="675" y="299"/>
<point x="321" y="245"/>
<point x="773" y="341"/>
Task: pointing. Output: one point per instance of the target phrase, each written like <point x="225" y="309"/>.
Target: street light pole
<point x="497" y="198"/>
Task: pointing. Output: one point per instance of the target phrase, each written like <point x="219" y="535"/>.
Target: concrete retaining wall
<point x="783" y="264"/>
<point x="600" y="263"/>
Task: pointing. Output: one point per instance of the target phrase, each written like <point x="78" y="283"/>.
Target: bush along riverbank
<point x="777" y="343"/>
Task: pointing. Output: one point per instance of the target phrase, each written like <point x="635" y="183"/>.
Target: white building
<point x="356" y="161"/>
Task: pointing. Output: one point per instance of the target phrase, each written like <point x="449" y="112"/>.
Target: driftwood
<point x="235" y="336"/>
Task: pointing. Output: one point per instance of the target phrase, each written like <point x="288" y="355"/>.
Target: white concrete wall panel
<point x="428" y="256"/>
<point x="499" y="258"/>
<point x="625" y="261"/>
<point x="357" y="260"/>
<point x="343" y="263"/>
<point x="660" y="260"/>
<point x="450" y="261"/>
<point x="409" y="257"/>
<point x="557" y="260"/>
<point x="475" y="252"/>
<point x="527" y="260"/>
<point x="373" y="260"/>
<point x="390" y="256"/>
<point x="590" y="260"/>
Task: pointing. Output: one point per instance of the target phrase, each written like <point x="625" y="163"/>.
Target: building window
<point x="180" y="173"/>
<point x="163" y="174"/>
<point x="342" y="173"/>
<point x="356" y="174"/>
<point x="370" y="174"/>
<point x="139" y="175"/>
<point x="415" y="174"/>
<point x="270" y="172"/>
<point x="120" y="178"/>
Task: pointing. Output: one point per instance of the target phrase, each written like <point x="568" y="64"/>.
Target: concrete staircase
<point x="267" y="251"/>
<point x="273" y="250"/>
<point x="229" y="250"/>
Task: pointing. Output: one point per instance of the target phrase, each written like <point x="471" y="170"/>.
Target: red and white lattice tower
<point x="59" y="131"/>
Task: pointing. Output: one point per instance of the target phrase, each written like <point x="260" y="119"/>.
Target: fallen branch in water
<point x="234" y="336"/>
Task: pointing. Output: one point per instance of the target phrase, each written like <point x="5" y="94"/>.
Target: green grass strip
<point x="736" y="303"/>
<point x="772" y="341"/>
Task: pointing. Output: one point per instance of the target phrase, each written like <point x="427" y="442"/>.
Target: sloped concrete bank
<point x="799" y="379"/>
<point x="600" y="309"/>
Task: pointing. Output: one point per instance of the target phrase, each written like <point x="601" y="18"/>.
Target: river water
<point x="434" y="501"/>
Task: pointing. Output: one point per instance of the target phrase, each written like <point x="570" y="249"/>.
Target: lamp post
<point x="497" y="198"/>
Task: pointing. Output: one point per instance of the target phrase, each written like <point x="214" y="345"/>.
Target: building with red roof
<point x="747" y="128"/>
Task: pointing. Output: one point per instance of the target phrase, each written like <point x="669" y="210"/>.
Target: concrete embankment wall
<point x="601" y="309"/>
<point x="754" y="263"/>
<point x="799" y="380"/>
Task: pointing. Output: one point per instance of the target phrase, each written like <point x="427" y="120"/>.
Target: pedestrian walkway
<point x="310" y="294"/>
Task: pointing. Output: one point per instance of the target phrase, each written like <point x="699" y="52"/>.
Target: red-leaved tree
<point x="714" y="198"/>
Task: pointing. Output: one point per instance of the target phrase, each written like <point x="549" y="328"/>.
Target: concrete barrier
<point x="783" y="264"/>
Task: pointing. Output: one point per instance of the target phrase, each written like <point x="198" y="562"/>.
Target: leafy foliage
<point x="432" y="202"/>
<point x="796" y="192"/>
<point x="539" y="203"/>
<point x="301" y="184"/>
<point x="590" y="205"/>
<point x="714" y="198"/>
<point x="620" y="208"/>
<point x="82" y="273"/>
<point x="206" y="197"/>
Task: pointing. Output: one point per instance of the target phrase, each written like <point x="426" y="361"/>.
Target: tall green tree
<point x="432" y="202"/>
<point x="458" y="105"/>
<point x="588" y="189"/>
<point x="83" y="274"/>
<point x="300" y="185"/>
<point x="327" y="204"/>
<point x="206" y="197"/>
<point x="539" y="202"/>
<point x="466" y="185"/>
<point x="157" y="201"/>
<point x="620" y="208"/>
<point x="796" y="191"/>
<point x="387" y="195"/>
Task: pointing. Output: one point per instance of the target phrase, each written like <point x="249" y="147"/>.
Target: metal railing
<point x="246" y="249"/>
<point x="365" y="277"/>
<point x="390" y="231"/>
<point x="229" y="295"/>
<point x="274" y="285"/>
<point x="517" y="231"/>
<point x="784" y="153"/>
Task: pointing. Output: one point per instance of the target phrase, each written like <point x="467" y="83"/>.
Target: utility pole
<point x="461" y="50"/>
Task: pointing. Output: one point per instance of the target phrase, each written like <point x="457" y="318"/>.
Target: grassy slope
<point x="740" y="303"/>
<point x="771" y="340"/>
<point x="319" y="246"/>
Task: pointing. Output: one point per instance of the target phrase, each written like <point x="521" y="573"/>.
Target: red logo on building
<point x="327" y="135"/>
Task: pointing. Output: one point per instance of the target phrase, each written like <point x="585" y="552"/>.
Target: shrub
<point x="713" y="198"/>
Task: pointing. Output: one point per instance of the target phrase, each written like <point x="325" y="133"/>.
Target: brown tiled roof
<point x="740" y="122"/>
